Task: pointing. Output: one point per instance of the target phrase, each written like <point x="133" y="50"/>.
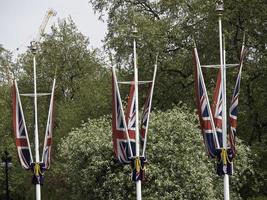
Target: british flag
<point x="131" y="117"/>
<point x="124" y="147"/>
<point x="204" y="111"/>
<point x="131" y="112"/>
<point x="145" y="118"/>
<point x="234" y="102"/>
<point x="217" y="107"/>
<point x="48" y="133"/>
<point x="20" y="130"/>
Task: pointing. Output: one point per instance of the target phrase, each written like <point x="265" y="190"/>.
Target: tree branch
<point x="149" y="9"/>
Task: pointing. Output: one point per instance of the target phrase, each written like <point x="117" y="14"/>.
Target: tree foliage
<point x="81" y="91"/>
<point x="169" y="27"/>
<point x="82" y="81"/>
<point x="178" y="165"/>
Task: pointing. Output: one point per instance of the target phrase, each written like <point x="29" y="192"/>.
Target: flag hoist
<point x="19" y="125"/>
<point x="219" y="141"/>
<point x="129" y="140"/>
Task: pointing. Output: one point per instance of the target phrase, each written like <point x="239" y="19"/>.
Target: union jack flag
<point x="145" y="118"/>
<point x="48" y="133"/>
<point x="131" y="112"/>
<point x="217" y="107"/>
<point x="204" y="111"/>
<point x="131" y="117"/>
<point x="234" y="103"/>
<point x="20" y="130"/>
<point x="146" y="112"/>
<point x="124" y="149"/>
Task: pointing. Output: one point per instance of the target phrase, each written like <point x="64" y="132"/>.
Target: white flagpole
<point x="226" y="176"/>
<point x="36" y="135"/>
<point x="50" y="112"/>
<point x="138" y="183"/>
<point x="150" y="103"/>
<point x="220" y="9"/>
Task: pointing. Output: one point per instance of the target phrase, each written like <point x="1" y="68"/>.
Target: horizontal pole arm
<point x="218" y="66"/>
<point x="131" y="82"/>
<point x="38" y="94"/>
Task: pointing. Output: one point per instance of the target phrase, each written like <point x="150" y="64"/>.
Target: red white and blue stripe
<point x="131" y="117"/>
<point x="234" y="103"/>
<point x="20" y="130"/>
<point x="145" y="120"/>
<point x="123" y="142"/>
<point x="131" y="111"/>
<point x="46" y="157"/>
<point x="204" y="110"/>
<point x="217" y="107"/>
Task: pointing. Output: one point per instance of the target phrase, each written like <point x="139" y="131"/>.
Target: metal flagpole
<point x="36" y="135"/>
<point x="219" y="8"/>
<point x="138" y="183"/>
<point x="33" y="48"/>
<point x="150" y="102"/>
<point x="226" y="176"/>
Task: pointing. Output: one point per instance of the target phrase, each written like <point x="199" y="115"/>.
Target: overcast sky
<point x="20" y="20"/>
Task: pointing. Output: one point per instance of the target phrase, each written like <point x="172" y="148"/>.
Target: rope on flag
<point x="138" y="168"/>
<point x="224" y="162"/>
<point x="38" y="173"/>
<point x="20" y="130"/>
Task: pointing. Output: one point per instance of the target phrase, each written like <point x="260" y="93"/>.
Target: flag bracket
<point x="218" y="66"/>
<point x="38" y="94"/>
<point x="132" y="83"/>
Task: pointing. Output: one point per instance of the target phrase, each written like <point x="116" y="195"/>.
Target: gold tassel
<point x="137" y="164"/>
<point x="37" y="170"/>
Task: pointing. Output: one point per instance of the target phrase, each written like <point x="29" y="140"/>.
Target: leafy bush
<point x="178" y="165"/>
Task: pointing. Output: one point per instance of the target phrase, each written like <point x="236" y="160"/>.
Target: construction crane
<point x="49" y="13"/>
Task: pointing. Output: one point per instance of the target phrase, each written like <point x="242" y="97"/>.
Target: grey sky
<point x="20" y="20"/>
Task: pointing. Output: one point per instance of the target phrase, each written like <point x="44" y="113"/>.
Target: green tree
<point x="82" y="91"/>
<point x="178" y="166"/>
<point x="82" y="81"/>
<point x="169" y="26"/>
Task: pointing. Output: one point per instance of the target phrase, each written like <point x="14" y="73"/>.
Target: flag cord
<point x="37" y="170"/>
<point x="224" y="157"/>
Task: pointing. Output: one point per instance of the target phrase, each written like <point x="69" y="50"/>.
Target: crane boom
<point x="49" y="13"/>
